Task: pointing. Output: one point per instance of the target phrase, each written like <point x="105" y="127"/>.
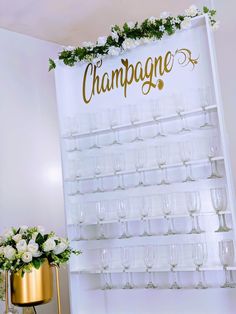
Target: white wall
<point x="30" y="175"/>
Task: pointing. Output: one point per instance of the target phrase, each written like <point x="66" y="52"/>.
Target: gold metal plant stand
<point x="57" y="285"/>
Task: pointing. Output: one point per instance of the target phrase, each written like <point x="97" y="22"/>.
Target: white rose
<point x="191" y="11"/>
<point x="33" y="247"/>
<point x="34" y="235"/>
<point x="21" y="246"/>
<point x="17" y="237"/>
<point x="165" y="15"/>
<point x="114" y="51"/>
<point x="152" y="19"/>
<point x="131" y="24"/>
<point x="114" y="35"/>
<point x="41" y="230"/>
<point x="27" y="257"/>
<point x="23" y="229"/>
<point x="101" y="41"/>
<point x="8" y="233"/>
<point x="216" y="25"/>
<point x="129" y="43"/>
<point x="87" y="44"/>
<point x="186" y="23"/>
<point x="9" y="252"/>
<point x="61" y="247"/>
<point x="49" y="245"/>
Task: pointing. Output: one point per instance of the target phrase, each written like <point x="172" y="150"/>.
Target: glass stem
<point x="80" y="231"/>
<point x="227" y="279"/>
<point x="220" y="221"/>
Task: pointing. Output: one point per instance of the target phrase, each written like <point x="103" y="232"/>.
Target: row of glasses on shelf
<point x="146" y="110"/>
<point x="151" y="262"/>
<point x="168" y="205"/>
<point x="147" y="158"/>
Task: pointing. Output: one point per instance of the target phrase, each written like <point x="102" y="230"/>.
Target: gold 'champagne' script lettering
<point x="150" y="73"/>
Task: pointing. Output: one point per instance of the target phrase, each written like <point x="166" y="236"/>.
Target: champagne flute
<point x="140" y="162"/>
<point x="199" y="255"/>
<point x="126" y="263"/>
<point x="93" y="127"/>
<point x="145" y="212"/>
<point x="193" y="202"/>
<point x="149" y="259"/>
<point x="118" y="166"/>
<point x="81" y="219"/>
<point x="105" y="262"/>
<point x="226" y="252"/>
<point x="101" y="214"/>
<point x="206" y="100"/>
<point x="156" y="114"/>
<point x="181" y="106"/>
<point x="185" y="152"/>
<point x="114" y="122"/>
<point x="122" y="211"/>
<point x="219" y="202"/>
<point x="168" y="204"/>
<point x="212" y="152"/>
<point x="98" y="168"/>
<point x="173" y="261"/>
<point x="162" y="153"/>
<point x="135" y="118"/>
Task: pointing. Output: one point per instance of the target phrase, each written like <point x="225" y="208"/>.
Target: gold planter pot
<point x="33" y="288"/>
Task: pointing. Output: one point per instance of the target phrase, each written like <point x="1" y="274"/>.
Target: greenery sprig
<point x="131" y="35"/>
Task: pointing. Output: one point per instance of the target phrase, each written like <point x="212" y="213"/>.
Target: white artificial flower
<point x="9" y="252"/>
<point x="152" y="19"/>
<point x="1" y="240"/>
<point x="87" y="44"/>
<point x="95" y="61"/>
<point x="8" y="233"/>
<point x="164" y="21"/>
<point x="162" y="28"/>
<point x="114" y="35"/>
<point x="101" y="41"/>
<point x="49" y="245"/>
<point x="165" y="15"/>
<point x="191" y="11"/>
<point x="131" y="24"/>
<point x="34" y="235"/>
<point x="114" y="51"/>
<point x="41" y="230"/>
<point x="61" y="247"/>
<point x="33" y="247"/>
<point x="27" y="257"/>
<point x="129" y="43"/>
<point x="23" y="229"/>
<point x="17" y="237"/>
<point x="147" y="40"/>
<point x="216" y="25"/>
<point x="186" y="23"/>
<point x="69" y="48"/>
<point x="21" y="246"/>
<point x="1" y="250"/>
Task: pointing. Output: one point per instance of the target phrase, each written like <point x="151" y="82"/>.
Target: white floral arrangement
<point x="26" y="247"/>
<point x="131" y="35"/>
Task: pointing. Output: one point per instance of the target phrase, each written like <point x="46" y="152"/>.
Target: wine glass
<point x="105" y="263"/>
<point x="168" y="204"/>
<point x="226" y="253"/>
<point x="98" y="168"/>
<point x="162" y="153"/>
<point x="122" y="212"/>
<point x="212" y="152"/>
<point x="206" y="100"/>
<point x="193" y="202"/>
<point x="126" y="263"/>
<point x="173" y="261"/>
<point x="185" y="152"/>
<point x="118" y="166"/>
<point x="114" y="120"/>
<point x="199" y="255"/>
<point x="156" y="114"/>
<point x="93" y="127"/>
<point x="135" y="118"/>
<point x="149" y="259"/>
<point x="181" y="106"/>
<point x="81" y="219"/>
<point x="101" y="214"/>
<point x="145" y="211"/>
<point x="140" y="162"/>
<point x="219" y="202"/>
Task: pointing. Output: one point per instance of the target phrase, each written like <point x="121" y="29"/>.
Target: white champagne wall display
<point x="148" y="192"/>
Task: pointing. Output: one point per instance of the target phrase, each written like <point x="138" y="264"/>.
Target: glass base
<point x="125" y="236"/>
<point x="145" y="234"/>
<point x="150" y="285"/>
<point x="214" y="176"/>
<point x="127" y="286"/>
<point x="163" y="182"/>
<point x="206" y="126"/>
<point x="137" y="139"/>
<point x="227" y="285"/>
<point x="188" y="179"/>
<point x="116" y="143"/>
<point x="184" y="130"/>
<point x="175" y="286"/>
<point x="223" y="229"/>
<point x="194" y="231"/>
<point x="119" y="188"/>
<point x="200" y="285"/>
<point x="94" y="146"/>
<point x="158" y="135"/>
